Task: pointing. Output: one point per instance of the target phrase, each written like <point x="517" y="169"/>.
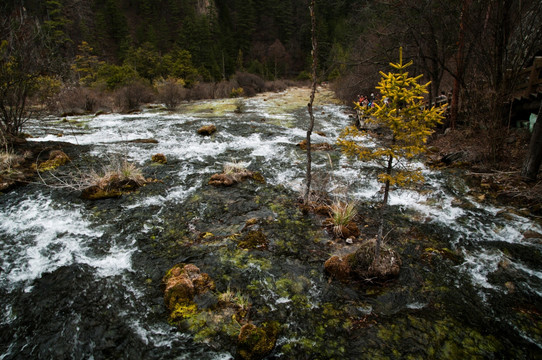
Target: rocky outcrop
<point x="56" y="158"/>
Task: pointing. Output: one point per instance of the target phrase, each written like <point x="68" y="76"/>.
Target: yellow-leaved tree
<point x="406" y="125"/>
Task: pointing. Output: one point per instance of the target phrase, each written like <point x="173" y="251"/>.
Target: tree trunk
<point x="454" y="106"/>
<point x="311" y="114"/>
<point x="383" y="209"/>
<point x="529" y="172"/>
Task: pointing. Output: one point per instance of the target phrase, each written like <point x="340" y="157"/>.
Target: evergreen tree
<point x="86" y="64"/>
<point x="407" y="124"/>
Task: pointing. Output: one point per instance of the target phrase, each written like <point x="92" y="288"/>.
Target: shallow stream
<point x="82" y="279"/>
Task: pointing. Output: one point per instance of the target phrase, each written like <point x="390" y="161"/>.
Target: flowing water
<point x="82" y="279"/>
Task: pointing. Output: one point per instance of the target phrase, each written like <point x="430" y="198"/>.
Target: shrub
<point x="171" y="92"/>
<point x="113" y="77"/>
<point x="237" y="92"/>
<point x="132" y="96"/>
<point x="74" y="99"/>
<point x="240" y="106"/>
<point x="251" y="84"/>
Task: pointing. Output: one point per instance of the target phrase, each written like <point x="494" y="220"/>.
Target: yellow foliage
<point x="402" y="113"/>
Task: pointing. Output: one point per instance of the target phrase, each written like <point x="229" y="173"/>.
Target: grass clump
<point x="341" y="218"/>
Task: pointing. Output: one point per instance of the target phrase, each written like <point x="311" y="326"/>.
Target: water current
<point x="82" y="279"/>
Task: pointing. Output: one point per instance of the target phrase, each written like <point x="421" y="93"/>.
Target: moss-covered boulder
<point x="56" y="158"/>
<point x="337" y="268"/>
<point x="182" y="282"/>
<point x="364" y="265"/>
<point x="256" y="342"/>
<point x="361" y="264"/>
<point x="207" y="130"/>
<point x="159" y="158"/>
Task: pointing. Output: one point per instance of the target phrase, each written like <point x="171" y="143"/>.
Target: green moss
<point x="254" y="239"/>
<point x="256" y="342"/>
<point x="442" y="339"/>
<point x="182" y="311"/>
<point x="51" y="164"/>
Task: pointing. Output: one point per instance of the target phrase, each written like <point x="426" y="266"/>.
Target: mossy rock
<point x="362" y="262"/>
<point x="56" y="158"/>
<point x="159" y="158"/>
<point x="182" y="282"/>
<point x="114" y="188"/>
<point x="207" y="130"/>
<point x="231" y="179"/>
<point x="338" y="268"/>
<point x="96" y="193"/>
<point x="256" y="342"/>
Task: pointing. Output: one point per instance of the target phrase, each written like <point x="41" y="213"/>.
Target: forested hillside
<point x="268" y="38"/>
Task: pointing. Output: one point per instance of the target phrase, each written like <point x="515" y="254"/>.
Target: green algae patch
<point x="441" y="339"/>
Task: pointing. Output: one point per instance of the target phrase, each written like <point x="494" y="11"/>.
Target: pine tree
<point x="86" y="64"/>
<point x="408" y="124"/>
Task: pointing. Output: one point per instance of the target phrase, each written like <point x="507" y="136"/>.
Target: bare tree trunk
<point x="383" y="209"/>
<point x="313" y="91"/>
<point x="454" y="106"/>
<point x="532" y="163"/>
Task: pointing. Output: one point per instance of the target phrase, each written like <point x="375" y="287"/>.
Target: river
<point x="83" y="279"/>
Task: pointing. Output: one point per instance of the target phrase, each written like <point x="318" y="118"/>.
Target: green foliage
<point x="145" y="60"/>
<point x="406" y="121"/>
<point x="115" y="76"/>
<point x="86" y="64"/>
<point x="178" y="64"/>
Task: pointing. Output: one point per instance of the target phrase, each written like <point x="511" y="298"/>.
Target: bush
<point x="237" y="92"/>
<point x="113" y="77"/>
<point x="202" y="91"/>
<point x="225" y="88"/>
<point x="73" y="99"/>
<point x="251" y="84"/>
<point x="132" y="96"/>
<point x="171" y="92"/>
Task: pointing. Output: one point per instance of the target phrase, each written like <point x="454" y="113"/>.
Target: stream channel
<point x="82" y="279"/>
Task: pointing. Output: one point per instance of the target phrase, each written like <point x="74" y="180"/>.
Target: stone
<point x="159" y="158"/>
<point x="207" y="130"/>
